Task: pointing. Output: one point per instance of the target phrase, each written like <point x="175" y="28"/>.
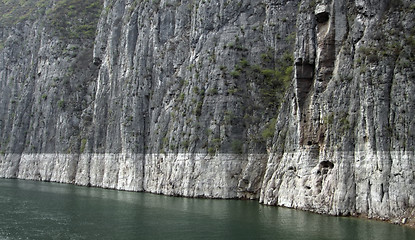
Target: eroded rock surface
<point x="344" y="143"/>
<point x="305" y="104"/>
<point x="169" y="97"/>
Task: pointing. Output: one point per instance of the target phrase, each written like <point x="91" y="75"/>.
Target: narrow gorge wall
<point x="344" y="138"/>
<point x="171" y="97"/>
<point x="304" y="104"/>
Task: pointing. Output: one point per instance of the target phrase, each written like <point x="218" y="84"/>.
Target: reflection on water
<point x="38" y="210"/>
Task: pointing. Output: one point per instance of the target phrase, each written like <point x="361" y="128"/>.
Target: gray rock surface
<point x="198" y="99"/>
<point x="344" y="140"/>
<point x="169" y="97"/>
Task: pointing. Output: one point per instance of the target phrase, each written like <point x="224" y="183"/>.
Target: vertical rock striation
<point x="172" y="97"/>
<point x="185" y="86"/>
<point x="207" y="99"/>
<point x="343" y="138"/>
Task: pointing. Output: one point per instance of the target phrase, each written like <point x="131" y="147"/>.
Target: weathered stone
<point x="170" y="97"/>
<point x="181" y="97"/>
<point x="346" y="150"/>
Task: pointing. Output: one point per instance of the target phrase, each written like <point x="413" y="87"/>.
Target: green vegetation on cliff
<point x="73" y="19"/>
<point x="16" y="11"/>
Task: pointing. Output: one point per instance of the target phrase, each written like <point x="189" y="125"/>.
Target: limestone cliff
<point x="172" y="97"/>
<point x="305" y="104"/>
<point x="344" y="137"/>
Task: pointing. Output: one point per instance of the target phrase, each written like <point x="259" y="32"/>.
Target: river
<point x="41" y="210"/>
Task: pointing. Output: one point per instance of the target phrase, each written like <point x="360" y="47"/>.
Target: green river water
<point x="40" y="210"/>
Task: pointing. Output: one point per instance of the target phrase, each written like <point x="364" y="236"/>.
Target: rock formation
<point x="344" y="139"/>
<point x="305" y="104"/>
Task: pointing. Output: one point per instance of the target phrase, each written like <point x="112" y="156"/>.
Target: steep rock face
<point x="344" y="139"/>
<point x="174" y="99"/>
<point x="186" y="86"/>
<point x="182" y="97"/>
<point x="47" y="80"/>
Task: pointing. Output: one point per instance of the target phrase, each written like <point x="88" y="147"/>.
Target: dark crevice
<point x="326" y="164"/>
<point x="322" y="17"/>
<point x="304" y="75"/>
